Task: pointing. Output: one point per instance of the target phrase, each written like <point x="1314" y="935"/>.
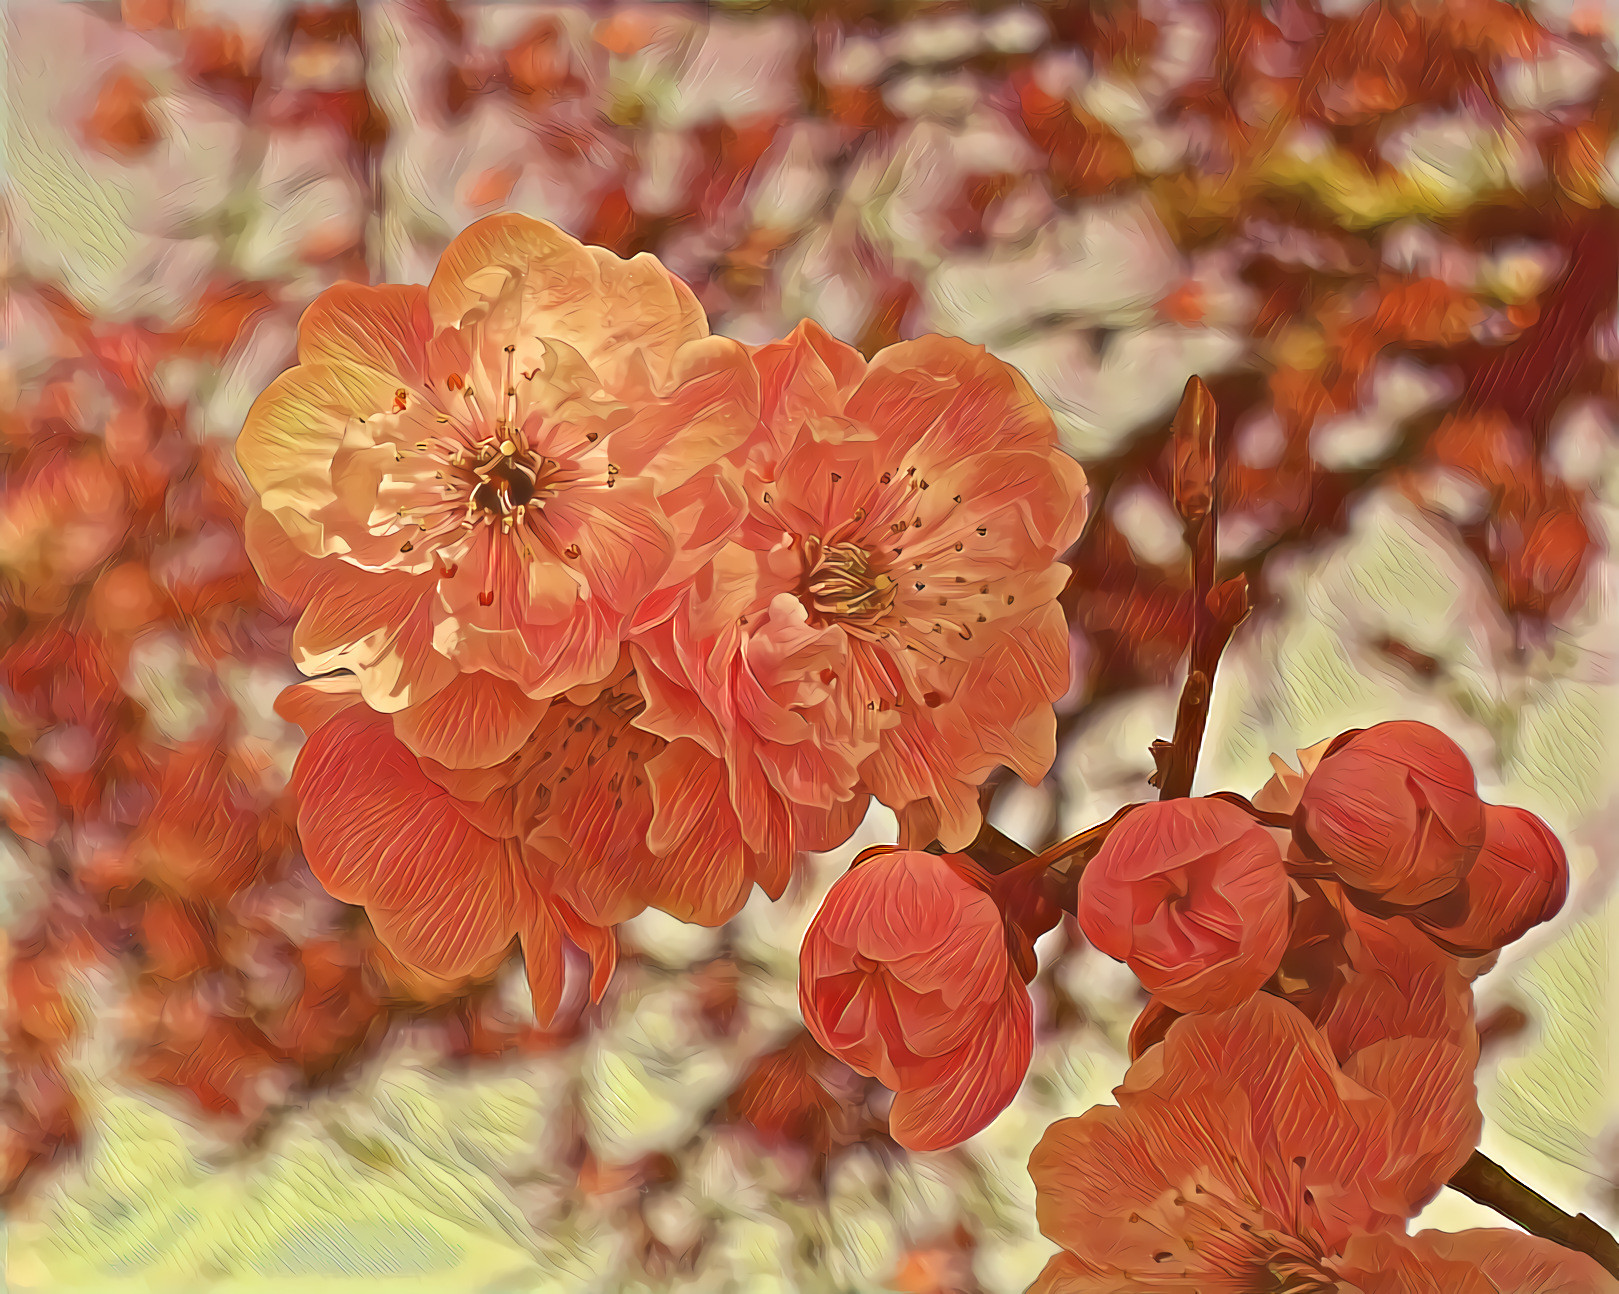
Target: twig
<point x="1483" y="1180"/>
<point x="1216" y="612"/>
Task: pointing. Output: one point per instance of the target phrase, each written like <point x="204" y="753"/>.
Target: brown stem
<point x="1195" y="482"/>
<point x="1081" y="846"/>
<point x="1483" y="1180"/>
<point x="997" y="852"/>
<point x="1281" y="820"/>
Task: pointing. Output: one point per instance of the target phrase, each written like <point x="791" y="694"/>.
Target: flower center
<point x="841" y="582"/>
<point x="505" y="481"/>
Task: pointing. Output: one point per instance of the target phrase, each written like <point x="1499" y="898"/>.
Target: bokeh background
<point x="1384" y="234"/>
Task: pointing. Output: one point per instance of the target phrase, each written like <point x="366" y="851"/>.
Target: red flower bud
<point x="1192" y="895"/>
<point x="904" y="975"/>
<point x="1394" y="810"/>
<point x="1518" y="880"/>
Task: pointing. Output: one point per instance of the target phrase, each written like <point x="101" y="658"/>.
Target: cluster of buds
<point x="914" y="970"/>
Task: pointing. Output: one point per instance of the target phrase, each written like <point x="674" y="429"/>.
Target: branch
<point x="1484" y="1181"/>
<point x="1216" y="611"/>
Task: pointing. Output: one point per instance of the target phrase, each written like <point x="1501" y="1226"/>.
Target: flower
<point x="471" y="486"/>
<point x="1518" y="880"/>
<point x="885" y="621"/>
<point x="1394" y="811"/>
<point x="1192" y="895"/>
<point x="1240" y="1156"/>
<point x="622" y="819"/>
<point x="904" y="975"/>
<point x="442" y="876"/>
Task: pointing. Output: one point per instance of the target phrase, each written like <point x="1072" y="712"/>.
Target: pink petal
<point x="807" y="373"/>
<point x="1517" y="1263"/>
<point x="987" y="1074"/>
<point x="476" y="721"/>
<point x="952" y="397"/>
<point x="441" y="892"/>
<point x="1429" y="1085"/>
<point x="700" y="874"/>
<point x="384" y="327"/>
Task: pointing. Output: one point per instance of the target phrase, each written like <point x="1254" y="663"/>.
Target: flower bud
<point x="1518" y="880"/>
<point x="1192" y="895"/>
<point x="1394" y="810"/>
<point x="905" y="976"/>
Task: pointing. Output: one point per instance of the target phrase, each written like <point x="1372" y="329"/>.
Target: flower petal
<point x="951" y="399"/>
<point x="475" y="721"/>
<point x="441" y="893"/>
<point x="1517" y="1263"/>
<point x="385" y="328"/>
<point x="376" y="623"/>
<point x="292" y="433"/>
<point x="605" y="307"/>
<point x="984" y="1078"/>
<point x="806" y="374"/>
<point x="1395" y="1264"/>
<point x="1429" y="1084"/>
<point x="700" y="875"/>
<point x="710" y="405"/>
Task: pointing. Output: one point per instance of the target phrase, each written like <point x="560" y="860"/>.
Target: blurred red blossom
<point x="801" y="1095"/>
<point x="905" y="975"/>
<point x="1191" y="894"/>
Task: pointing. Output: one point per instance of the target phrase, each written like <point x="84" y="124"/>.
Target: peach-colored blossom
<point x="885" y="621"/>
<point x="905" y="975"/>
<point x="623" y="820"/>
<point x="472" y="486"/>
<point x="1240" y="1156"/>
<point x="1394" y="811"/>
<point x="1191" y="894"/>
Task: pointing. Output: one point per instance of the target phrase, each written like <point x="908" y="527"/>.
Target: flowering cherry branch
<point x="1217" y="610"/>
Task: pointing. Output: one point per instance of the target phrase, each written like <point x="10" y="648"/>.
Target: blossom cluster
<point x="609" y="612"/>
<point x="1303" y="1077"/>
<point x="1382" y="232"/>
